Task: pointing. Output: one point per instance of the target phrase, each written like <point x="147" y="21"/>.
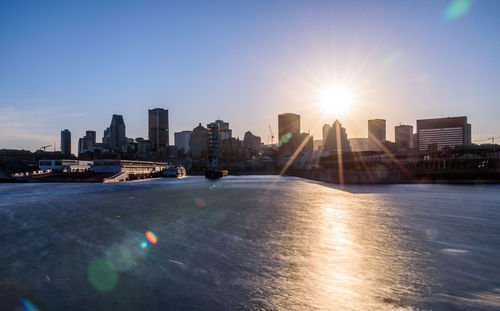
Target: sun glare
<point x="335" y="101"/>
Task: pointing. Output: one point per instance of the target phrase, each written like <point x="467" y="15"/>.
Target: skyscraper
<point x="288" y="123"/>
<point x="376" y="134"/>
<point x="198" y="142"/>
<point x="117" y="133"/>
<point x="336" y="138"/>
<point x="66" y="142"/>
<point x="86" y="141"/>
<point x="158" y="127"/>
<point x="181" y="140"/>
<point x="442" y="133"/>
<point x="289" y="133"/>
<point x="403" y="135"/>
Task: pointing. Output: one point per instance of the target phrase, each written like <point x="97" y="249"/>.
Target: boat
<point x="210" y="174"/>
<point x="174" y="171"/>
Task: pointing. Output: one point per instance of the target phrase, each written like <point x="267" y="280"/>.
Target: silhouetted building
<point x="158" y="127"/>
<point x="289" y="132"/>
<point x="213" y="147"/>
<point x="224" y="131"/>
<point x="443" y="133"/>
<point x="376" y="134"/>
<point x="358" y="144"/>
<point x="181" y="140"/>
<point x="66" y="142"/>
<point x="117" y="139"/>
<point x="198" y="142"/>
<point x="251" y="142"/>
<point x="306" y="141"/>
<point x="106" y="138"/>
<point x="335" y="137"/>
<point x="86" y="142"/>
<point x="403" y="135"/>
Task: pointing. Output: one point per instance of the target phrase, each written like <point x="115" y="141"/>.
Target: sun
<point x="335" y="100"/>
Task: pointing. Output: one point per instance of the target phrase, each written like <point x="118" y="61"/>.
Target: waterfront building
<point x="288" y="131"/>
<point x="358" y="144"/>
<point x="117" y="139"/>
<point x="251" y="142"/>
<point x="158" y="127"/>
<point x="181" y="140"/>
<point x="376" y="134"/>
<point x="66" y="142"/>
<point x="335" y="137"/>
<point x="213" y="147"/>
<point x="224" y="131"/>
<point x="443" y="133"/>
<point x="198" y="142"/>
<point x="403" y="135"/>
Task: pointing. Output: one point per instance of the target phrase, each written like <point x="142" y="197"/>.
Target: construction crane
<point x="45" y="147"/>
<point x="271" y="135"/>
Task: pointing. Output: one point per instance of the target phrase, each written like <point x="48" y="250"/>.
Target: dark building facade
<point x="251" y="142"/>
<point x="117" y="139"/>
<point x="198" y="142"/>
<point x="443" y="133"/>
<point x="335" y="137"/>
<point x="66" y="142"/>
<point x="87" y="141"/>
<point x="376" y="134"/>
<point x="289" y="132"/>
<point x="403" y="135"/>
<point x="158" y="127"/>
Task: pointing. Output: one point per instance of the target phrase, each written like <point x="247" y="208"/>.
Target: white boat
<point x="174" y="171"/>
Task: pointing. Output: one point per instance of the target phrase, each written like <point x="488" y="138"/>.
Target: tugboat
<point x="174" y="171"/>
<point x="213" y="138"/>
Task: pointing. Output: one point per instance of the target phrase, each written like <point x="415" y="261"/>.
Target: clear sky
<point x="70" y="64"/>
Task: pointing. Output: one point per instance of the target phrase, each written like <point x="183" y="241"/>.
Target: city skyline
<point x="79" y="75"/>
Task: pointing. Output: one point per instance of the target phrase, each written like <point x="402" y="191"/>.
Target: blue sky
<point x="69" y="64"/>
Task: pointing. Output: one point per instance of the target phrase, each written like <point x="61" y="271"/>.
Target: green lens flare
<point x="102" y="275"/>
<point x="457" y="8"/>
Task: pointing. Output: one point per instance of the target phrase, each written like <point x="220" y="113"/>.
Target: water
<point x="273" y="243"/>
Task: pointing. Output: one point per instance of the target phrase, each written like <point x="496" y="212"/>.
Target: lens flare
<point x="457" y="8"/>
<point x="28" y="306"/>
<point x="200" y="202"/>
<point x="151" y="237"/>
<point x="102" y="275"/>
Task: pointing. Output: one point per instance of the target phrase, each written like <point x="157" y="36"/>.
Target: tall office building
<point x="181" y="141"/>
<point x="214" y="150"/>
<point x="117" y="133"/>
<point x="335" y="137"/>
<point x="288" y="123"/>
<point x="403" y="135"/>
<point x="289" y="133"/>
<point x="224" y="131"/>
<point x="91" y="137"/>
<point x="87" y="141"/>
<point x="66" y="142"/>
<point x="442" y="133"/>
<point x="376" y="134"/>
<point x="158" y="127"/>
<point x="198" y="142"/>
